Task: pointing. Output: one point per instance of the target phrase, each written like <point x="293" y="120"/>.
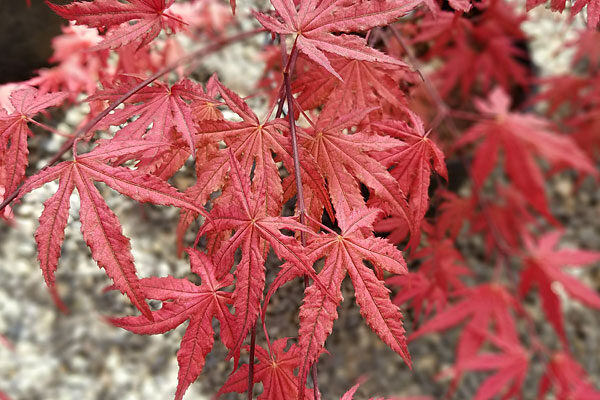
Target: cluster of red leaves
<point x="353" y="148"/>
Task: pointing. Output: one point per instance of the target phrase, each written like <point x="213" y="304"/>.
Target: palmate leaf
<point x="521" y="137"/>
<point x="345" y="254"/>
<point x="26" y="103"/>
<point x="255" y="230"/>
<point x="510" y="369"/>
<point x="160" y="109"/>
<point x="485" y="307"/>
<point x="182" y="301"/>
<point x="567" y="379"/>
<point x="254" y="142"/>
<point x="99" y="225"/>
<point x="365" y="84"/>
<point x="151" y="17"/>
<point x="413" y="164"/>
<point x="313" y="24"/>
<point x="593" y="8"/>
<point x="543" y="268"/>
<point x="345" y="161"/>
<point x="275" y="369"/>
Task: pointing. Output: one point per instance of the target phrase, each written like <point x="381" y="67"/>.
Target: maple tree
<point x="344" y="166"/>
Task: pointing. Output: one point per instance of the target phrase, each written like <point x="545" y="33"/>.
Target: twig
<point x="289" y="68"/>
<point x="443" y="110"/>
<point x="431" y="90"/>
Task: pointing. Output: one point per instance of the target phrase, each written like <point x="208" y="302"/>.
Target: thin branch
<point x="294" y="140"/>
<point x="290" y="63"/>
<point x="213" y="47"/>
<point x="431" y="90"/>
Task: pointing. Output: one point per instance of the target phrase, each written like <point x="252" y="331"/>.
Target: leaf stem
<point x="49" y="128"/>
<point x="211" y="48"/>
<point x="251" y="362"/>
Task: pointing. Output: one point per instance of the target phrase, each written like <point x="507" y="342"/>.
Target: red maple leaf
<point x="483" y="306"/>
<point x="254" y="142"/>
<point x="568" y="379"/>
<point x="314" y="23"/>
<point x="254" y="230"/>
<point x="453" y="213"/>
<point x="593" y="8"/>
<point x="345" y="161"/>
<point x="345" y="253"/>
<point x="521" y="137"/>
<point x="511" y="369"/>
<point x="275" y="370"/>
<point x="365" y="84"/>
<point x="476" y="52"/>
<point x="413" y="163"/>
<point x="182" y="301"/>
<point x="26" y="103"/>
<point x="159" y="109"/>
<point x="151" y="17"/>
<point x="502" y="220"/>
<point x="99" y="225"/>
<point x="437" y="279"/>
<point x="543" y="268"/>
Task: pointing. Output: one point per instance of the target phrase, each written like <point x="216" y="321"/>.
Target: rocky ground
<point x="78" y="356"/>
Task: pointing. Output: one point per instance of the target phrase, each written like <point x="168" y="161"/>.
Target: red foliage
<point x="355" y="154"/>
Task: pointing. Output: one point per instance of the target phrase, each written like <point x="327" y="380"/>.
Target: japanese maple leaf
<point x="436" y="280"/>
<point x="275" y="370"/>
<point x="315" y="21"/>
<point x="510" y="369"/>
<point x="413" y="163"/>
<point x="593" y="8"/>
<point x="454" y="211"/>
<point x="568" y="380"/>
<point x="481" y="306"/>
<point x="182" y="301"/>
<point x="159" y="108"/>
<point x="159" y="156"/>
<point x="365" y="84"/>
<point x="212" y="166"/>
<point x="481" y="52"/>
<point x="254" y="143"/>
<point x="77" y="70"/>
<point x="99" y="225"/>
<point x="345" y="253"/>
<point x="26" y="103"/>
<point x="561" y="89"/>
<point x="254" y="229"/>
<point x="502" y="220"/>
<point x="543" y="268"/>
<point x="151" y="17"/>
<point x="345" y="162"/>
<point x="584" y="121"/>
<point x="521" y="137"/>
